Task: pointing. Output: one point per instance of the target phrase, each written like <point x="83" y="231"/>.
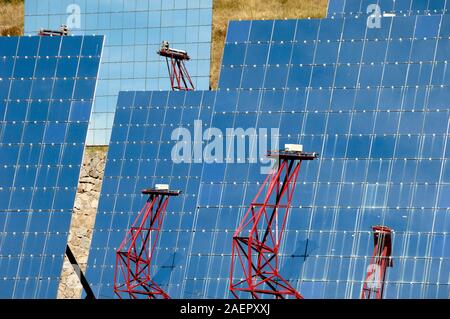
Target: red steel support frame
<point x="373" y="287"/>
<point x="179" y="76"/>
<point x="257" y="240"/>
<point x="132" y="277"/>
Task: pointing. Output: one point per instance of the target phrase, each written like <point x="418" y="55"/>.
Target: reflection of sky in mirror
<point x="46" y="93"/>
<point x="134" y="30"/>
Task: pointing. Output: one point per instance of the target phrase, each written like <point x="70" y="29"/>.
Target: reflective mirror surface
<point x="46" y="93"/>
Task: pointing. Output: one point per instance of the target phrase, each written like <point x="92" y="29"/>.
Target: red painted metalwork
<point x="257" y="240"/>
<point x="373" y="287"/>
<point x="132" y="277"/>
<point x="179" y="76"/>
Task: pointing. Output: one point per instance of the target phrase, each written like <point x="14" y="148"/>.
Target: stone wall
<point x="83" y="219"/>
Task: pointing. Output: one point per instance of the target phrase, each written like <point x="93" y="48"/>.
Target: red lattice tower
<point x="180" y="80"/>
<point x="257" y="240"/>
<point x="132" y="277"/>
<point x="381" y="259"/>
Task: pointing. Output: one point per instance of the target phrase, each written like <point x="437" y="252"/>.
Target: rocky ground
<point x="83" y="219"/>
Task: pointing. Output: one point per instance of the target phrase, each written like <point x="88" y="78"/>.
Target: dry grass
<point x="225" y="10"/>
<point x="96" y="148"/>
<point x="11" y="17"/>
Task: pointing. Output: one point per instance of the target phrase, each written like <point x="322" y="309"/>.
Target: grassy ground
<point x="225" y="10"/>
<point x="11" y="17"/>
<point x="93" y="149"/>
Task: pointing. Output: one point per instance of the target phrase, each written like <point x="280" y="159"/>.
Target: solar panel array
<point x="139" y="156"/>
<point x="134" y="30"/>
<point x="308" y="53"/>
<point x="371" y="101"/>
<point x="47" y="87"/>
<point x="340" y="8"/>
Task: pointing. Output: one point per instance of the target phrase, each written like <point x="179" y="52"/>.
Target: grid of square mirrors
<point x="341" y="53"/>
<point x="376" y="167"/>
<point x="140" y="156"/>
<point x="46" y="91"/>
<point x="134" y="30"/>
<point x="339" y="8"/>
<point x="382" y="129"/>
<point x="373" y="103"/>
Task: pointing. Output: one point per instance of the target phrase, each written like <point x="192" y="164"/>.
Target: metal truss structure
<point x="256" y="242"/>
<point x="180" y="80"/>
<point x="373" y="287"/>
<point x="132" y="277"/>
